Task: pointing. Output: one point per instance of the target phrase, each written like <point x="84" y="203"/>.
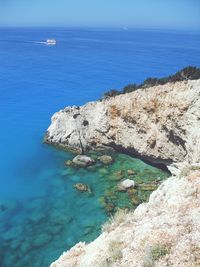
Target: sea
<point x="41" y="212"/>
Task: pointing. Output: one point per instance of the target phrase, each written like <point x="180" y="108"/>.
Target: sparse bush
<point x="155" y="253"/>
<point x="159" y="251"/>
<point x="150" y="82"/>
<point x="111" y="93"/>
<point x="130" y="88"/>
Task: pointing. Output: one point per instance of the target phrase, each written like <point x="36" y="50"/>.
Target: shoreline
<point x="169" y="134"/>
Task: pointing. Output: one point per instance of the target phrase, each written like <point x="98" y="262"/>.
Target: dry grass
<point x="114" y="221"/>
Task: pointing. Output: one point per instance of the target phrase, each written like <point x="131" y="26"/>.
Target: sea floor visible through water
<point x="41" y="214"/>
<point x="35" y="233"/>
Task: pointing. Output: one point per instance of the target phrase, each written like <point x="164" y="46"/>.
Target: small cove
<point x="36" y="231"/>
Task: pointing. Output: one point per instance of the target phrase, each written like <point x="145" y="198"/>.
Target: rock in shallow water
<point x="82" y="187"/>
<point x="148" y="187"/>
<point x="117" y="176"/>
<point x="83" y="161"/>
<point x="105" y="159"/>
<point x="126" y="184"/>
<point x="131" y="172"/>
<point x="68" y="163"/>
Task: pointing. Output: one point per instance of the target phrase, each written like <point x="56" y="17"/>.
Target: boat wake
<point x="47" y="42"/>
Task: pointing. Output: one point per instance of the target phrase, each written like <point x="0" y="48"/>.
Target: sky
<point x="168" y="14"/>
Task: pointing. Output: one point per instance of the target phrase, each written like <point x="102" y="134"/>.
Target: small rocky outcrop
<point x="82" y="161"/>
<point x="105" y="159"/>
<point x="126" y="184"/>
<point x="82" y="187"/>
<point x="131" y="172"/>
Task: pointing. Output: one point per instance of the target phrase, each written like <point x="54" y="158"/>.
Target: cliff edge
<point x="160" y="124"/>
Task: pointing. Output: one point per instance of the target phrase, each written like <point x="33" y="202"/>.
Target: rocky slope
<point x="163" y="232"/>
<point x="160" y="124"/>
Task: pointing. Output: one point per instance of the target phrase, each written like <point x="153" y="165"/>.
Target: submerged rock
<point x="107" y="204"/>
<point x="109" y="208"/>
<point x="68" y="162"/>
<point x="41" y="240"/>
<point x="117" y="176"/>
<point x="13" y="233"/>
<point x="55" y="229"/>
<point x="82" y="187"/>
<point x="82" y="161"/>
<point x="58" y="217"/>
<point x="148" y="187"/>
<point x="105" y="159"/>
<point x="135" y="200"/>
<point x="131" y="172"/>
<point x="26" y="245"/>
<point x="37" y="216"/>
<point x="103" y="171"/>
<point x="126" y="184"/>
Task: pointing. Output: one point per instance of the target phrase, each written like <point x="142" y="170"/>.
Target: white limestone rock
<point x="160" y="124"/>
<point x="126" y="184"/>
<point x="83" y="161"/>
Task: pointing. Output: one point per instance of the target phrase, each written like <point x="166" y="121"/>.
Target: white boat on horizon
<point x="51" y="42"/>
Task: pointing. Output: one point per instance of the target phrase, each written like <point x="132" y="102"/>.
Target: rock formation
<point x="160" y="124"/>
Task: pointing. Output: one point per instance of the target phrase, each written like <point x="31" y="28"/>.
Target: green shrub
<point x="155" y="253"/>
<point x="188" y="73"/>
<point x="112" y="93"/>
<point x="130" y="88"/>
<point x="150" y="82"/>
<point x="159" y="251"/>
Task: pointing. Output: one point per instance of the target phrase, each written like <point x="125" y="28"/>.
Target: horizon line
<point x="123" y="28"/>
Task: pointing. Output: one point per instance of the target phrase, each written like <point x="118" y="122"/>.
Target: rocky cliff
<point x="159" y="124"/>
<point x="162" y="125"/>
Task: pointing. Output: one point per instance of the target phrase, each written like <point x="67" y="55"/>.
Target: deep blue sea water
<point x="37" y="80"/>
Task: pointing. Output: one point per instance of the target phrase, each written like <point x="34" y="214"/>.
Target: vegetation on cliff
<point x="188" y="73"/>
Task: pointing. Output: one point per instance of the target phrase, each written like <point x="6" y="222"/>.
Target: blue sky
<point x="169" y="14"/>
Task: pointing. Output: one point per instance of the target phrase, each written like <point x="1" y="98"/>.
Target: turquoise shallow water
<point x="36" y="232"/>
<point x="36" y="192"/>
